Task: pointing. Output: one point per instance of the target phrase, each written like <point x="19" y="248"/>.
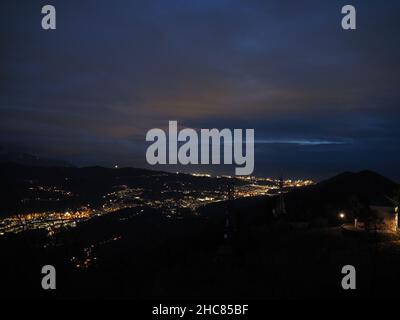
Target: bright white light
<point x="341" y="215"/>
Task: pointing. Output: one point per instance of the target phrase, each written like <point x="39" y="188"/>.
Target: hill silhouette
<point x="337" y="193"/>
<point x="31" y="160"/>
<point x="365" y="184"/>
<point x="322" y="200"/>
<point x="25" y="188"/>
<point x="144" y="254"/>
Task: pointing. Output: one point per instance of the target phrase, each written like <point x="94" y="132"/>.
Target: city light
<point x="180" y="194"/>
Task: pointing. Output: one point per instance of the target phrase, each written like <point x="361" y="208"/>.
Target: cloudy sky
<point x="321" y="100"/>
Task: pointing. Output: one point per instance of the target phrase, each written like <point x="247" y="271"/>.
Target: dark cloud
<point x="89" y="91"/>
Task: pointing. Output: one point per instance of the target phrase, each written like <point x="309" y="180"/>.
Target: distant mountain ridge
<point x="324" y="199"/>
<point x="31" y="160"/>
<point x="23" y="185"/>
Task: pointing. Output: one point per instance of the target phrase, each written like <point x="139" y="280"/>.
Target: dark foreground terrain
<point x="148" y="257"/>
<point x="142" y="253"/>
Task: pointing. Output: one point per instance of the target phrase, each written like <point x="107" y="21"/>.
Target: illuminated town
<point x="172" y="198"/>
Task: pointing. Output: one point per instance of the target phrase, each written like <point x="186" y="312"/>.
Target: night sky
<point x="321" y="100"/>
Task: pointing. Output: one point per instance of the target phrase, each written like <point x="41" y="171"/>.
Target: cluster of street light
<point x="170" y="199"/>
